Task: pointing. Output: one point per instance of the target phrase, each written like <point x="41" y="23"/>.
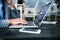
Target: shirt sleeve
<point x="14" y="13"/>
<point x="13" y="8"/>
<point x="4" y="23"/>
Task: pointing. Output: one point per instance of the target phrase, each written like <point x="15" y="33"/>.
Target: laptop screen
<point x="42" y="13"/>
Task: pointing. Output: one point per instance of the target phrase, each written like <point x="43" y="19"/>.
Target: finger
<point x="24" y="23"/>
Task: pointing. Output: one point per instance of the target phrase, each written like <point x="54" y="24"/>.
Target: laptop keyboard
<point x="29" y="25"/>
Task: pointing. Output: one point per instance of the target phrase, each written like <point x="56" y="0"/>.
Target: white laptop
<point x="39" y="18"/>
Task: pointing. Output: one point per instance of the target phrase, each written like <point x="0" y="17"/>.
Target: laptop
<point x="38" y="19"/>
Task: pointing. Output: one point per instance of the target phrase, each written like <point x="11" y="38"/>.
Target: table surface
<point x="47" y="31"/>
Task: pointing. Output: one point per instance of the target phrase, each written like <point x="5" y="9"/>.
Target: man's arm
<point x="14" y="13"/>
<point x="4" y="23"/>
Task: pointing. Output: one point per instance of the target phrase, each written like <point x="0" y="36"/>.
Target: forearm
<point x="4" y="23"/>
<point x="15" y="13"/>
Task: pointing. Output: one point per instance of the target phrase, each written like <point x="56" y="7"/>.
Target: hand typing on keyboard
<point x="17" y="21"/>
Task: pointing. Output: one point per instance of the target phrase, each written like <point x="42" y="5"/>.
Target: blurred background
<point x="29" y="9"/>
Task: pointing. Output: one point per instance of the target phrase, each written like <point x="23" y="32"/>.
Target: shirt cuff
<point x="5" y="23"/>
<point x="12" y="8"/>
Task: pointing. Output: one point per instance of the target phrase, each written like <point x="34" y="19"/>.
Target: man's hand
<point x="10" y="3"/>
<point x="17" y="21"/>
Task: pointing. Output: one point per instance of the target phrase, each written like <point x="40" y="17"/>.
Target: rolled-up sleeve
<point x="4" y="23"/>
<point x="14" y="13"/>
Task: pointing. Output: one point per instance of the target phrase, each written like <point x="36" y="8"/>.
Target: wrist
<point x="10" y="21"/>
<point x="12" y="5"/>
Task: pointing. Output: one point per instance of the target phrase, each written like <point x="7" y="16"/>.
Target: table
<point x="48" y="31"/>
